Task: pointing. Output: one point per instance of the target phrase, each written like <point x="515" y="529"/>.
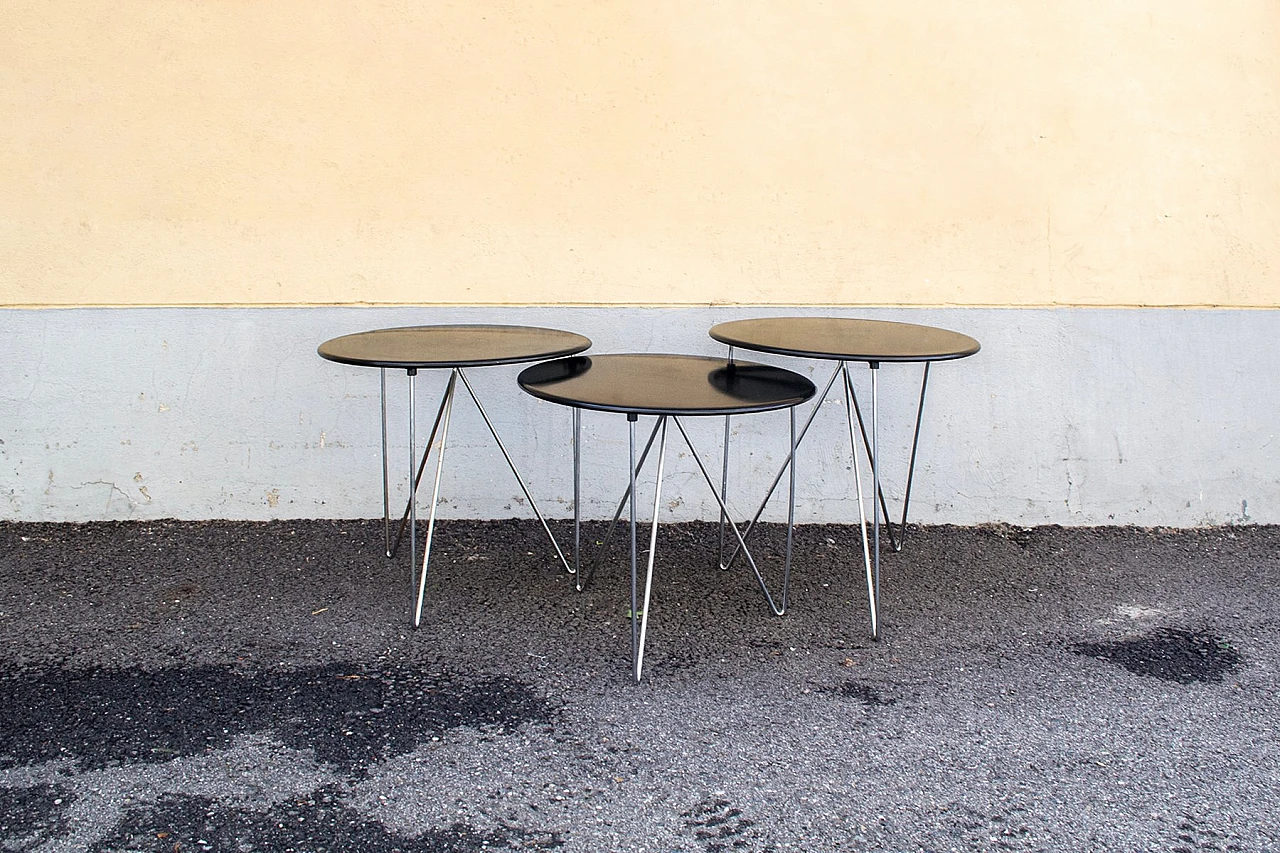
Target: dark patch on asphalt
<point x="30" y="816"/>
<point x="178" y="593"/>
<point x="320" y="823"/>
<point x="350" y="716"/>
<point x="1170" y="654"/>
<point x="720" y="827"/>
<point x="864" y="693"/>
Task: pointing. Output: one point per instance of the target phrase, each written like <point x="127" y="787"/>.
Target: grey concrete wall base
<point x="1067" y="416"/>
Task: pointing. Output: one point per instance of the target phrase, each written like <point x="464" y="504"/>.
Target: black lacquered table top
<point x="451" y="346"/>
<point x="661" y="384"/>
<point x="847" y="339"/>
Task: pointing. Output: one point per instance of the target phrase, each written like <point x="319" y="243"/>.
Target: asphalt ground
<point x="180" y="686"/>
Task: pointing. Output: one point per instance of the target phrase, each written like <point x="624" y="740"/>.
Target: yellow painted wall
<point x="919" y="152"/>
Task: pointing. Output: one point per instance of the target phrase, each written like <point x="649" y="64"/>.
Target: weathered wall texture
<point x="1068" y="416"/>
<point x="164" y="152"/>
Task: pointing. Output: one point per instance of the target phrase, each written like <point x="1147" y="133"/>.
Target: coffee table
<point x="452" y="348"/>
<point x="668" y="387"/>
<point x="845" y="340"/>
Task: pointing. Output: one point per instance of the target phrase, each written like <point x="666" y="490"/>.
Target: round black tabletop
<point x="413" y="347"/>
<point x="845" y="339"/>
<point x="660" y="384"/>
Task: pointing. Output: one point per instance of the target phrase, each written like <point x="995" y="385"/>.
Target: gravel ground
<point x="179" y="686"/>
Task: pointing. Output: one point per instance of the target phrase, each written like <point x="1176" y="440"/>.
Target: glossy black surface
<point x="845" y="339"/>
<point x="451" y="346"/>
<point x="657" y="384"/>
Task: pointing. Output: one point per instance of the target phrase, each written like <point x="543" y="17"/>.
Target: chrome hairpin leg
<point x="813" y="412"/>
<point x="875" y="478"/>
<point x="779" y="610"/>
<point x="413" y="485"/>
<point x="724" y="492"/>
<point x="386" y="473"/>
<point x="791" y="509"/>
<point x="640" y="605"/>
<point x="435" y="499"/>
<point x="631" y="490"/>
<point x="577" y="498"/>
<point x="638" y="637"/>
<point x="911" y="466"/>
<point x="442" y="427"/>
<point x="872" y="598"/>
<point x="512" y="465"/>
<point x="896" y="542"/>
<point x="878" y="495"/>
<point x="724" y="478"/>
<point x="608" y="536"/>
<point x="415" y="480"/>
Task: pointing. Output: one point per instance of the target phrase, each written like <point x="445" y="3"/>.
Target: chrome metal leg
<point x="742" y="543"/>
<point x="791" y="511"/>
<point x="911" y="466"/>
<point x="639" y="612"/>
<point x="631" y="490"/>
<point x="608" y="536"/>
<point x="862" y="510"/>
<point x="512" y="465"/>
<point x="877" y="495"/>
<point x="724" y="480"/>
<point x="813" y="412"/>
<point x="435" y="498"/>
<point x="386" y="474"/>
<point x="638" y="659"/>
<point x="577" y="495"/>
<point x="413" y="485"/>
<point x="875" y="477"/>
<point x="416" y="480"/>
<point x="724" y="492"/>
<point x="896" y="540"/>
